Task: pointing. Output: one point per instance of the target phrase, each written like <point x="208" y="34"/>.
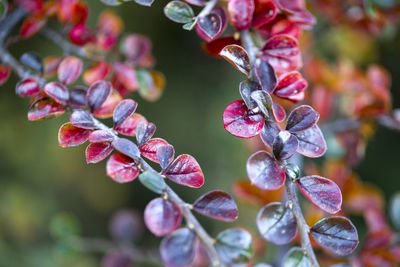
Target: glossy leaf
<point x="186" y="171"/>
<point x="209" y="27"/>
<point x="144" y="131"/>
<point x="285" y="145"/>
<point x="32" y="60"/>
<point x="247" y="87"/>
<point x="321" y="191"/>
<point x="178" y="249"/>
<point x="234" y="246"/>
<point x="269" y="132"/>
<point x="265" y="12"/>
<point x="278" y="111"/>
<point x="82" y="119"/>
<point x="96" y="152"/>
<point x="165" y="155"/>
<point x="301" y="119"/>
<point x="97" y="94"/>
<point x="265" y="75"/>
<point x="242" y="122"/>
<point x="296" y="257"/>
<point x="57" y="91"/>
<point x="121" y="168"/>
<point x="69" y="69"/>
<point x="126" y="147"/>
<point x="27" y="88"/>
<point x="238" y="57"/>
<point x="162" y="216"/>
<point x="264" y="171"/>
<point x="123" y="110"/>
<point x="153" y="181"/>
<point x="128" y="126"/>
<point x="144" y="2"/>
<point x="277" y="224"/>
<point x="311" y="142"/>
<point x="71" y="136"/>
<point x="337" y="234"/>
<point x="100" y="136"/>
<point x="149" y="149"/>
<point x="179" y="12"/>
<point x="44" y="108"/>
<point x="263" y="100"/>
<point x="290" y="85"/>
<point x="214" y="47"/>
<point x="241" y="13"/>
<point x="218" y="205"/>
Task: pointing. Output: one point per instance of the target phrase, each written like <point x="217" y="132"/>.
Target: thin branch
<point x="207" y="8"/>
<point x="59" y="40"/>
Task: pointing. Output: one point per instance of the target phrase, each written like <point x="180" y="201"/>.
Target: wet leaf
<point x="265" y="12"/>
<point x="247" y="87"/>
<point x="129" y="126"/>
<point x="218" y="205"/>
<point x="121" y="168"/>
<point x="242" y="122"/>
<point x="285" y="145"/>
<point x="278" y="111"/>
<point x="263" y="100"/>
<point x="337" y="234"/>
<point x="126" y="147"/>
<point x="269" y="132"/>
<point x="69" y="69"/>
<point x="234" y="246"/>
<point x="178" y="249"/>
<point x="32" y="60"/>
<point x="290" y="85"/>
<point x="123" y="110"/>
<point x="144" y="131"/>
<point x="144" y="2"/>
<point x="296" y="257"/>
<point x="301" y="119"/>
<point x="209" y="27"/>
<point x="96" y="152"/>
<point x="214" y="47"/>
<point x="100" y="136"/>
<point x="58" y="92"/>
<point x="71" y="136"/>
<point x="153" y="181"/>
<point x="97" y="94"/>
<point x="82" y="119"/>
<point x="165" y="155"/>
<point x="238" y="57"/>
<point x="265" y="75"/>
<point x="186" y="171"/>
<point x="277" y="224"/>
<point x="264" y="171"/>
<point x="44" y="109"/>
<point x="311" y="142"/>
<point x="27" y="88"/>
<point x="321" y="191"/>
<point x="149" y="149"/>
<point x="179" y="12"/>
<point x="241" y="13"/>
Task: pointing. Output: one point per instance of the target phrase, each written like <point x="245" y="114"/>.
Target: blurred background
<point x="47" y="191"/>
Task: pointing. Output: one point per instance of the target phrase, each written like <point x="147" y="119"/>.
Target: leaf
<point x="5" y="71"/>
<point x="278" y="111"/>
<point x="58" y="92"/>
<point x="234" y="246"/>
<point x="144" y="2"/>
<point x="242" y="122"/>
<point x="97" y="94"/>
<point x="296" y="257"/>
<point x="126" y="75"/>
<point x="179" y="12"/>
<point x="186" y="171"/>
<point x="82" y="119"/>
<point x="265" y="12"/>
<point x="162" y="216"/>
<point x="97" y="72"/>
<point x="337" y="234"/>
<point x="277" y="224"/>
<point x="189" y="26"/>
<point x="311" y="142"/>
<point x="165" y="155"/>
<point x="149" y="150"/>
<point x="264" y="171"/>
<point x="71" y="136"/>
<point x="136" y="47"/>
<point x="151" y="84"/>
<point x="153" y="181"/>
<point x="32" y="60"/>
<point x="121" y="168"/>
<point x="43" y="109"/>
<point x="263" y="100"/>
<point x="77" y="97"/>
<point x="214" y="47"/>
<point x="27" y="88"/>
<point x="130" y="124"/>
<point x="209" y="27"/>
<point x="126" y="147"/>
<point x="290" y="86"/>
<point x="31" y="25"/>
<point x="266" y="75"/>
<point x="178" y="249"/>
<point x="69" y="69"/>
<point x="321" y="191"/>
<point x="100" y="136"/>
<point x="269" y="132"/>
<point x="238" y="57"/>
<point x="106" y="110"/>
<point x="247" y="87"/>
<point x="241" y="13"/>
<point x="218" y="205"/>
<point x="301" y="119"/>
<point x="96" y="152"/>
<point x="285" y="145"/>
<point x="144" y="131"/>
<point x="123" y="110"/>
<point x="394" y="210"/>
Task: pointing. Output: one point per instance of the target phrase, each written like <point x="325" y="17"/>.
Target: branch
<point x="207" y="8"/>
<point x="59" y="40"/>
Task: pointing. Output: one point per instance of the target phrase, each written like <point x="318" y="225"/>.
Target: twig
<point x="59" y="40"/>
<point x="207" y="8"/>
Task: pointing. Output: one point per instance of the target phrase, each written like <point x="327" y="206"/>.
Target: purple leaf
<point x="165" y="155"/>
<point x="238" y="57"/>
<point x="82" y="119"/>
<point x="126" y="147"/>
<point x="186" y="171"/>
<point x="246" y="87"/>
<point x="301" y="119"/>
<point x="209" y="27"/>
<point x="278" y="111"/>
<point x="178" y="249"/>
<point x="149" y="150"/>
<point x="144" y="132"/>
<point x="311" y="142"/>
<point x="264" y="171"/>
<point x="266" y="75"/>
<point x="100" y="136"/>
<point x="234" y="247"/>
<point x="277" y="224"/>
<point x="123" y="110"/>
<point x="269" y="132"/>
<point x="218" y="205"/>
<point x="97" y="94"/>
<point x="263" y="100"/>
<point x="285" y="145"/>
<point x="121" y="168"/>
<point x="57" y="91"/>
<point x="77" y="97"/>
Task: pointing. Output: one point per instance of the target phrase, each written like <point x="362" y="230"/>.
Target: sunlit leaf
<point x="179" y="12"/>
<point x="96" y="152"/>
<point x="214" y="47"/>
<point x="234" y="246"/>
<point x="285" y="145"/>
<point x="71" y="136"/>
<point x="238" y="57"/>
<point x="121" y="168"/>
<point x="153" y="181"/>
<point x="178" y="249"/>
<point x="186" y="171"/>
<point x="218" y="205"/>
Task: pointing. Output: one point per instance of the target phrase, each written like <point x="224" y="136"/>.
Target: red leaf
<point x="278" y="111"/>
<point x="126" y="75"/>
<point x="241" y="13"/>
<point x="97" y="72"/>
<point x="96" y="152"/>
<point x="214" y="47"/>
<point x="123" y="110"/>
<point x="58" y="92"/>
<point x="209" y="27"/>
<point x="136" y="47"/>
<point x="186" y="171"/>
<point x="311" y="142"/>
<point x="149" y="150"/>
<point x="129" y="126"/>
<point x="106" y="110"/>
<point x="32" y="25"/>
<point x="27" y="88"/>
<point x="82" y="119"/>
<point x="44" y="108"/>
<point x="69" y="69"/>
<point x="121" y="168"/>
<point x="265" y="11"/>
<point x="97" y="94"/>
<point x="71" y="136"/>
<point x="238" y="57"/>
<point x="241" y="122"/>
<point x="162" y="216"/>
<point x="4" y="73"/>
<point x="100" y="136"/>
<point x="321" y="191"/>
<point x="264" y="171"/>
<point x="218" y="205"/>
<point x="290" y="85"/>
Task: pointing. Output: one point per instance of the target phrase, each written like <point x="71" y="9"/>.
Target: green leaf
<point x="153" y="181"/>
<point x="179" y="12"/>
<point x="190" y="25"/>
<point x="296" y="257"/>
<point x="234" y="247"/>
